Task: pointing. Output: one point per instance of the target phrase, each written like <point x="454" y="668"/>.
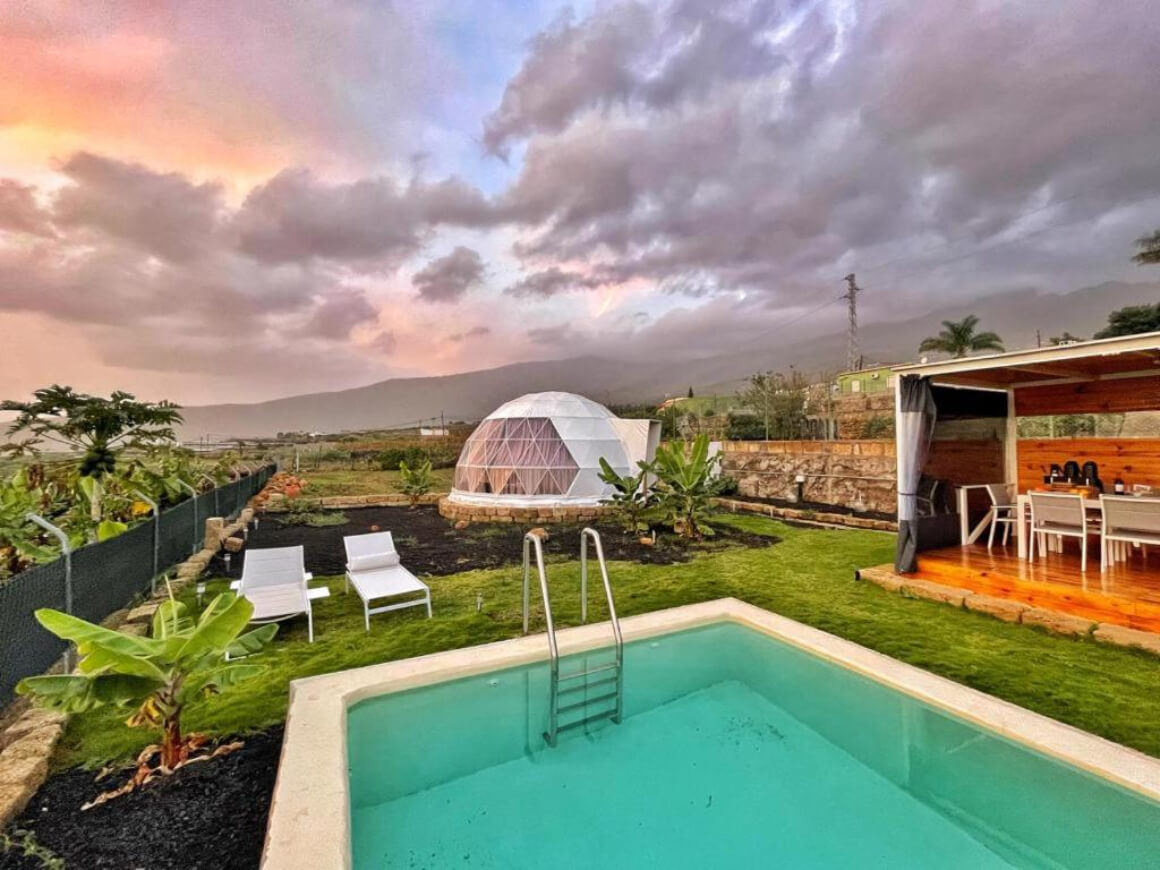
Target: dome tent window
<point x="545" y="449"/>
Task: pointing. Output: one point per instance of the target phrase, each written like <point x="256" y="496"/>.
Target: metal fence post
<point x="217" y="511"/>
<point x="193" y="495"/>
<point x="66" y="552"/>
<point x="156" y="538"/>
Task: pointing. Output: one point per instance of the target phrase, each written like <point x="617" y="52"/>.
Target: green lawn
<point x="328" y="482"/>
<point x="808" y="577"/>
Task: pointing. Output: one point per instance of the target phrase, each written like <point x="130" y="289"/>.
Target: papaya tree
<point x="157" y="677"/>
<point x="95" y="427"/>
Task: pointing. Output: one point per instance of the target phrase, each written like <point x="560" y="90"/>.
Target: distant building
<point x="433" y="431"/>
<point x="877" y="379"/>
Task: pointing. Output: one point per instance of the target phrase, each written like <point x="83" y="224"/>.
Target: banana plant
<point x="21" y="542"/>
<point x="159" y="676"/>
<point x="686" y="483"/>
<point x="631" y="500"/>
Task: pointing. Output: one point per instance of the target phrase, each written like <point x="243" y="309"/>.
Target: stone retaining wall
<point x="806" y="516"/>
<point x="533" y="516"/>
<point x="855" y="474"/>
<point x="1011" y="611"/>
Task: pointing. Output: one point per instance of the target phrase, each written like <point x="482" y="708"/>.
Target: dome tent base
<point x="474" y="513"/>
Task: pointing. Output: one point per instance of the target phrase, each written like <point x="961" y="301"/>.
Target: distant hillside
<point x="471" y="395"/>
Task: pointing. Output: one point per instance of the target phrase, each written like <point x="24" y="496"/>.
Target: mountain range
<point x="1016" y="316"/>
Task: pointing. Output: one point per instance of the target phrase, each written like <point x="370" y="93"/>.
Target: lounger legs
<point x="428" y="605"/>
<point x="310" y="623"/>
<point x="367" y="615"/>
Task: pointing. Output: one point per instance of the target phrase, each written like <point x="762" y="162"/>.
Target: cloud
<point x="474" y="332"/>
<point x="19" y="210"/>
<point x="448" y="278"/>
<point x="551" y="335"/>
<point x="338" y="312"/>
<point x="550" y="282"/>
<point x="770" y="148"/>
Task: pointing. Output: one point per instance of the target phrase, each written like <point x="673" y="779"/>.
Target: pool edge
<point x="309" y="822"/>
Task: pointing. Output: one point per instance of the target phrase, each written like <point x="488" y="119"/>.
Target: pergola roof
<point x="1122" y="356"/>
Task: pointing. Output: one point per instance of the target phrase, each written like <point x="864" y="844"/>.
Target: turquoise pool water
<point x="735" y="751"/>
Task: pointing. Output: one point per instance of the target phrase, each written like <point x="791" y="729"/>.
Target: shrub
<point x="415" y="482"/>
<point x="391" y="458"/>
<point x="879" y="426"/>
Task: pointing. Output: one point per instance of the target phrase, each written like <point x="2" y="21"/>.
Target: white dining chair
<point x="1002" y="511"/>
<point x="1060" y="515"/>
<point x="1127" y="521"/>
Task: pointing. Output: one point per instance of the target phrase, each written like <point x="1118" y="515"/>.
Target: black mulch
<point x="429" y="544"/>
<point x="209" y="816"/>
<point x="816" y="507"/>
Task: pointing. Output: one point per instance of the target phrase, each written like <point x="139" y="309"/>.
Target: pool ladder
<point x="577" y="684"/>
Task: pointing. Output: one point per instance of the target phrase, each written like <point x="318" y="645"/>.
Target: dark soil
<point x="208" y="816"/>
<point x="815" y="506"/>
<point x="429" y="544"/>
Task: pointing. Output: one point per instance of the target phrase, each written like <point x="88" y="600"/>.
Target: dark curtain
<point x="916" y="420"/>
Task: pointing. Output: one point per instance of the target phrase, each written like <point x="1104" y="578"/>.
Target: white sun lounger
<point x="274" y="581"/>
<point x="372" y="565"/>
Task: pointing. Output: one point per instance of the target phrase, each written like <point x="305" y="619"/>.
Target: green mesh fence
<point x="105" y="577"/>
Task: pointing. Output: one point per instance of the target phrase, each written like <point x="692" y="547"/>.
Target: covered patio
<point x="983" y="441"/>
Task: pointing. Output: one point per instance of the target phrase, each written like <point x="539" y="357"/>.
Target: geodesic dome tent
<point x="545" y="449"/>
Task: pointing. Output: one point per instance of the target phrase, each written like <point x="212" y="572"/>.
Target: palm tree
<point x="959" y="338"/>
<point x="1148" y="249"/>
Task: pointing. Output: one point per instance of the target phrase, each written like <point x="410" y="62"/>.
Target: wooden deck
<point x="1128" y="594"/>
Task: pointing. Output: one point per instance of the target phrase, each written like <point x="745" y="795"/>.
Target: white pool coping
<point x="309" y="826"/>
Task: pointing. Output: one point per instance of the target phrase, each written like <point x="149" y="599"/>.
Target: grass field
<point x="808" y="577"/>
<point x="341" y="481"/>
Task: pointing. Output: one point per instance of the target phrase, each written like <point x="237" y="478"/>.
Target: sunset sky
<point x="228" y="201"/>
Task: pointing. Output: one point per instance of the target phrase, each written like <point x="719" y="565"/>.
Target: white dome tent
<point x="544" y="449"/>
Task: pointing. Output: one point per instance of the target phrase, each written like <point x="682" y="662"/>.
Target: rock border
<point x="806" y="516"/>
<point x="1054" y="621"/>
<point x="471" y="513"/>
<point x="278" y="502"/>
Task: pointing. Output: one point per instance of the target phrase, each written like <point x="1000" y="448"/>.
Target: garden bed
<point x="429" y="544"/>
<point x="209" y="816"/>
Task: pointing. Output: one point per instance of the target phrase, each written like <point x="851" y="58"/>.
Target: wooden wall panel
<point x="966" y="462"/>
<point x="1091" y="397"/>
<point x="1136" y="460"/>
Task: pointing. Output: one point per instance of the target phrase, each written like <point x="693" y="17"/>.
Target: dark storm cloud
<point x="448" y="278"/>
<point x="800" y="142"/>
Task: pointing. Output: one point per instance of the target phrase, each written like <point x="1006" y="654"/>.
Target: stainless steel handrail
<point x="533" y="541"/>
<point x="530" y="541"/>
<point x="585" y="535"/>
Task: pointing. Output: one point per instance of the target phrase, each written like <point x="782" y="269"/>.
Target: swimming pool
<point x="748" y="741"/>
